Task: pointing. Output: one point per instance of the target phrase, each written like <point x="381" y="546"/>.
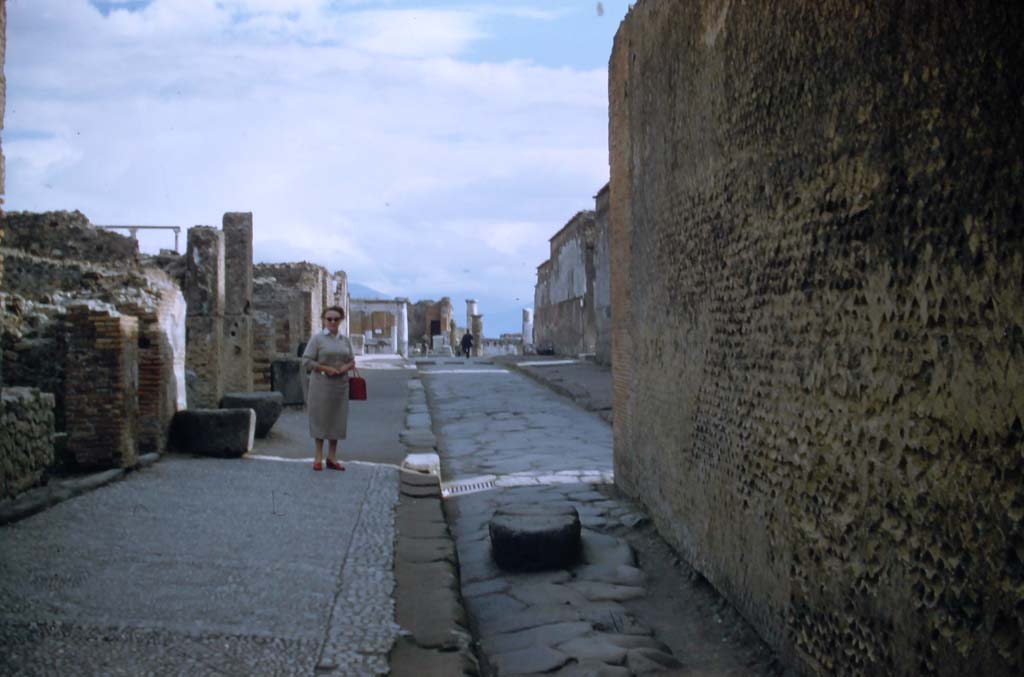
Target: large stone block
<point x="267" y="406"/>
<point x="214" y="432"/>
<point x="534" y="538"/>
<point x="237" y="364"/>
<point x="286" y="378"/>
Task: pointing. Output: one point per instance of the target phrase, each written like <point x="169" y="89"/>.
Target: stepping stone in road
<point x="535" y="538"/>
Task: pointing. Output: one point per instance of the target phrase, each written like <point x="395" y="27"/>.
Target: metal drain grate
<point x="467" y="486"/>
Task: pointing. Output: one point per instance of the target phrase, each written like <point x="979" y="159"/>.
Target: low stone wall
<point x="26" y="438"/>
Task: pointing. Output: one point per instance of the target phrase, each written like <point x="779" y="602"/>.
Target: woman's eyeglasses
<point x="332" y="319"/>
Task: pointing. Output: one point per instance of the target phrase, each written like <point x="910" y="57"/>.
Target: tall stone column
<point x="471" y="310"/>
<point x="527" y="326"/>
<point x="403" y="328"/>
<point x="238" y="326"/>
<point x="477" y="324"/>
<point x="204" y="318"/>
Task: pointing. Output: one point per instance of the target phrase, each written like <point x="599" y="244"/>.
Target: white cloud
<point x="361" y="139"/>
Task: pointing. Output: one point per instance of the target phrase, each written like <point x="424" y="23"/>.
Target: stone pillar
<point x="204" y="321"/>
<point x="527" y="326"/>
<point x="403" y="328"/>
<point x="477" y="324"/>
<point x="471" y="310"/>
<point x="238" y="326"/>
<point x="340" y="282"/>
<point x="101" y="403"/>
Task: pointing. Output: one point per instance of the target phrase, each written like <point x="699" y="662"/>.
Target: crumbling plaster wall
<point x="26" y="438"/>
<point x="818" y="343"/>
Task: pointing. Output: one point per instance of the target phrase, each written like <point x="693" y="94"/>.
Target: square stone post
<point x="204" y="320"/>
<point x="238" y="323"/>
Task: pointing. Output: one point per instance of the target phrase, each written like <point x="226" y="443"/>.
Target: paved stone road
<point x="603" y="616"/>
<point x="200" y="566"/>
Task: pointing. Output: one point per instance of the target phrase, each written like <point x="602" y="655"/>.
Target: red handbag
<point x="356" y="386"/>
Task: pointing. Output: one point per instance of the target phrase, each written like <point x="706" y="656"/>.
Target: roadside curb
<point x="39" y="499"/>
<point x="428" y="601"/>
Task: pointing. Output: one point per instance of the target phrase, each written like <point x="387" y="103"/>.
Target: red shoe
<point x="334" y="465"/>
<point x="317" y="465"/>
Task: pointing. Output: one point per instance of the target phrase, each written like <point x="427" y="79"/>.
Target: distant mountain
<point x="361" y="291"/>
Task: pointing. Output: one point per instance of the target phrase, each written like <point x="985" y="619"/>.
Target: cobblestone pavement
<point x="203" y="566"/>
<point x="523" y="445"/>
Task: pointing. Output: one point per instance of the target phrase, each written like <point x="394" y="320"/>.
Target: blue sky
<point x="427" y="148"/>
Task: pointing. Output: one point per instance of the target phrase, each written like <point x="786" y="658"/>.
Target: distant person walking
<point x="467" y="344"/>
<point x="329" y="357"/>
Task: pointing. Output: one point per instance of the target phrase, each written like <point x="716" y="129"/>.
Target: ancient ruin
<point x="816" y="279"/>
<point x="572" y="298"/>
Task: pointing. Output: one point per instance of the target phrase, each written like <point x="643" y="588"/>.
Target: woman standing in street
<point x="329" y="357"/>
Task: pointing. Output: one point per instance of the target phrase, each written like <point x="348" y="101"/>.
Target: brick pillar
<point x="477" y="324"/>
<point x="238" y="324"/>
<point x="101" y="403"/>
<point x="204" y="320"/>
<point x="263" y="349"/>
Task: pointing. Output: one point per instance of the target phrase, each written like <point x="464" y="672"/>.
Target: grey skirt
<point x="327" y="406"/>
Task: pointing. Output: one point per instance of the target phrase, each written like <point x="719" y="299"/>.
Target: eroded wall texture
<point x="818" y="343"/>
<point x="602" y="289"/>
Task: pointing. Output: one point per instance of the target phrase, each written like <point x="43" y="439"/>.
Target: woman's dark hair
<point x="337" y="309"/>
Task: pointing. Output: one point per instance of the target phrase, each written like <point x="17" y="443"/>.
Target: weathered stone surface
<point x="593" y="647"/>
<point x="286" y="378"/>
<point x="544" y="635"/>
<point x="426" y="550"/>
<point x="604" y="592"/>
<point x="589" y="668"/>
<point x="533" y="539"/>
<point x="529" y="618"/>
<point x="606" y="550"/>
<point x="214" y="432"/>
<point x="649" y="661"/>
<point x="529" y="660"/>
<point x="238" y="306"/>
<point x="267" y="406"/>
<point x="26" y="438"/>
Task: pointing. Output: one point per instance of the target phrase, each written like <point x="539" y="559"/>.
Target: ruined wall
<point x="339" y="282"/>
<point x="602" y="290"/>
<point x="26" y="438"/>
<point x="563" y="308"/>
<point x="101" y="396"/>
<point x="301" y="277"/>
<point x="238" y="308"/>
<point x="818" y="341"/>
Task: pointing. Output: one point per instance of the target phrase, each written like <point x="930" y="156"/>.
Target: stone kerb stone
<point x="267" y="405"/>
<point x="535" y="538"/>
<point x="227" y="433"/>
<point x="26" y="438"/>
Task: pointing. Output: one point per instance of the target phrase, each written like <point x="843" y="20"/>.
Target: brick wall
<point x="26" y="438"/>
<point x="101" y="395"/>
<point x="816" y="227"/>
